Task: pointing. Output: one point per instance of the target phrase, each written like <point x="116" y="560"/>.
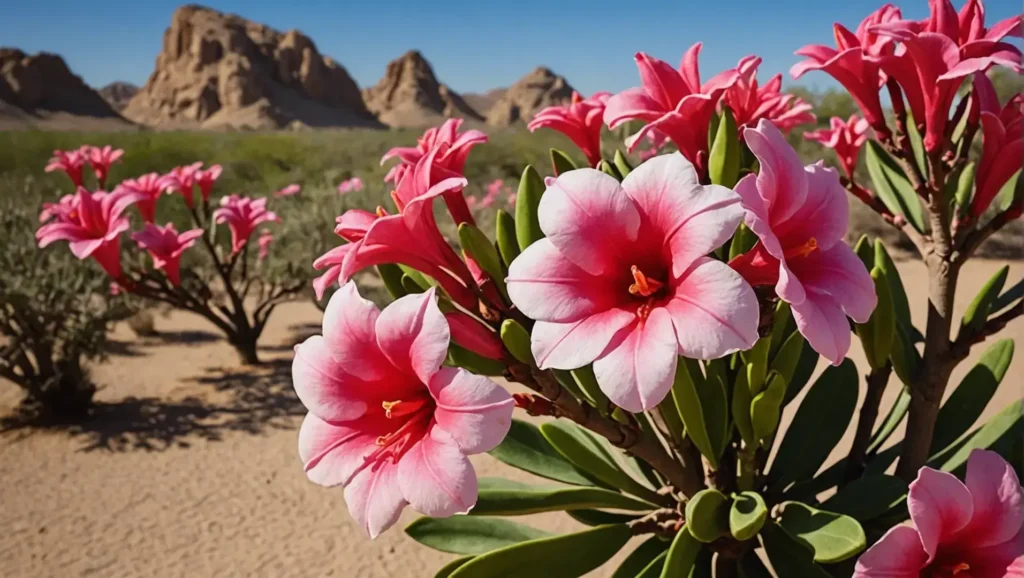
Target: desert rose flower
<point x="800" y="214"/>
<point x="70" y="162"/>
<point x="939" y="53"/>
<point x="474" y="336"/>
<point x="242" y="216"/>
<point x="183" y="180"/>
<point x="581" y="120"/>
<point x="1003" y="142"/>
<point x="150" y="186"/>
<point x="456" y="148"/>
<point x="100" y="160"/>
<point x="93" y="228"/>
<point x="845" y="137"/>
<point x="264" y="241"/>
<point x="854" y="62"/>
<point x="350" y="185"/>
<point x="622" y="278"/>
<point x="62" y="210"/>
<point x="205" y="179"/>
<point x="970" y="530"/>
<point x="751" y="102"/>
<point x="289" y="191"/>
<point x="165" y="245"/>
<point x="672" y="102"/>
<point x="386" y="421"/>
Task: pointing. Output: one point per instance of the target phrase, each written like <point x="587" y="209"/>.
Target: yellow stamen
<point x="388" y="406"/>
<point x="398" y="202"/>
<point x="803" y="250"/>
<point x="962" y="567"/>
<point x="382" y="440"/>
<point x="381" y="212"/>
<point x="643" y="285"/>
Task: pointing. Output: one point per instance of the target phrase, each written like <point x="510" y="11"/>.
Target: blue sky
<point x="473" y="45"/>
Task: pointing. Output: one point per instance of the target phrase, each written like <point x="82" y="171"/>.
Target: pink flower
<point x="800" y="214"/>
<point x="350" y="185"/>
<point x="386" y="421"/>
<point x="410" y="238"/>
<point x="288" y="191"/>
<point x="580" y="120"/>
<point x="150" y="186"/>
<point x="183" y="180"/>
<point x="205" y="179"/>
<point x="1003" y="142"/>
<point x="971" y="530"/>
<point x="845" y="137"/>
<point x="166" y="246"/>
<point x="243" y="215"/>
<point x="62" y="210"/>
<point x="100" y="160"/>
<point x="265" y="239"/>
<point x="855" y="63"/>
<point x="474" y="335"/>
<point x="750" y="103"/>
<point x="938" y="54"/>
<point x="93" y="228"/>
<point x="622" y="280"/>
<point x="673" y="102"/>
<point x="71" y="162"/>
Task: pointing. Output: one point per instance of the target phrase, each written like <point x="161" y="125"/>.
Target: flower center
<point x="381" y="211"/>
<point x="802" y="250"/>
<point x="643" y="285"/>
<point x="398" y="202"/>
<point x="949" y="570"/>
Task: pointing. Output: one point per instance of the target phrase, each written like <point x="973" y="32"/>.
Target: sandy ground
<point x="189" y="467"/>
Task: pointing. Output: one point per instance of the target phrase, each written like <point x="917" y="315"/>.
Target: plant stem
<point x="876" y="381"/>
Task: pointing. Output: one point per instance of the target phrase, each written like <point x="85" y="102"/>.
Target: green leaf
<point x="561" y="162"/>
<point x="525" y="448"/>
<point x="567" y="556"/>
<point x="964" y="186"/>
<point x="893" y="187"/>
<point x="900" y="304"/>
<point x="505" y="234"/>
<point x="507" y="501"/>
<point x="703" y="407"/>
<point x="517" y="341"/>
<point x="867" y="498"/>
<point x="747" y="516"/>
<point x="803" y="372"/>
<point x="410" y="286"/>
<point x="999" y="434"/>
<point x="531" y="188"/>
<point x="622" y="164"/>
<point x="833" y="537"/>
<point x="965" y="405"/>
<point x="682" y="555"/>
<point x="892" y="420"/>
<point x="917" y="145"/>
<point x="587" y="454"/>
<point x="788" y="357"/>
<point x="724" y="159"/>
<point x="1009" y="192"/>
<point x="757" y="365"/>
<point x="866" y="251"/>
<point x="391" y="275"/>
<point x="587" y="383"/>
<point x="599" y="518"/>
<point x="421" y="280"/>
<point x="640" y="558"/>
<point x="784" y="325"/>
<point x="609" y="169"/>
<point x="1009" y="297"/>
<point x="468" y="535"/>
<point x="788" y="556"/>
<point x="742" y="241"/>
<point x="475" y="244"/>
<point x="707" y="515"/>
<point x="817" y="427"/>
<point x="978" y="310"/>
<point x="474" y="362"/>
<point x="653" y="570"/>
<point x="766" y="408"/>
<point x="877" y="334"/>
<point x="448" y="569"/>
<point x="906" y="360"/>
<point x="741" y="401"/>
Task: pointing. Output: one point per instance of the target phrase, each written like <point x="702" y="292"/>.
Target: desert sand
<point x="189" y="467"/>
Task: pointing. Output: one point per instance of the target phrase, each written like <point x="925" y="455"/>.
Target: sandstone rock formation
<point x="410" y="95"/>
<point x="38" y="88"/>
<point x="483" y="101"/>
<point x="221" y="70"/>
<point x="531" y="93"/>
<point x="117" y="94"/>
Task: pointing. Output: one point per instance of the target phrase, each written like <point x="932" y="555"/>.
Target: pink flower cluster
<point x="243" y="215"/>
<point x="495" y="189"/>
<point x="354" y="184"/>
<point x="73" y="161"/>
<point x="581" y="121"/>
<point x="846" y="137"/>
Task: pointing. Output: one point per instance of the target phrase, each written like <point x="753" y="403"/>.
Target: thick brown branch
<point x="962" y="346"/>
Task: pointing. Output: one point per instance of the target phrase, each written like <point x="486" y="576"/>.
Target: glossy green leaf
<point x="900" y="304"/>
<point x="589" y="455"/>
<point x="742" y="241"/>
<point x="741" y="400"/>
<point x="531" y="188"/>
<point x="525" y="448"/>
<point x="641" y="558"/>
<point x="757" y="365"/>
<point x="475" y="244"/>
<point x="824" y="415"/>
<point x="892" y="420"/>
<point x="878" y="333"/>
<point x="865" y="250"/>
<point x="788" y="357"/>
<point x="505" y="234"/>
<point x="868" y="497"/>
<point x="587" y="383"/>
<point x="978" y="310"/>
<point x="654" y="569"/>
<point x="682" y="555"/>
<point x="419" y="278"/>
<point x="410" y="286"/>
<point x="598" y="518"/>
<point x="803" y="372"/>
<point x="892" y="186"/>
<point x="966" y="404"/>
<point x="448" y="569"/>
<point x="788" y="556"/>
<point x="724" y="158"/>
<point x="561" y="162"/>
<point x="515" y="501"/>
<point x="517" y="341"/>
<point x="766" y="408"/>
<point x="1008" y="297"/>
<point x="783" y="326"/>
<point x="703" y="407"/>
<point x="609" y="169"/>
<point x="833" y="537"/>
<point x="1010" y="191"/>
<point x="469" y="535"/>
<point x="567" y="556"/>
<point x="707" y="515"/>
<point x="747" y="515"/>
<point x="474" y="362"/>
<point x="917" y="144"/>
<point x="999" y="434"/>
<point x="964" y="186"/>
<point x="391" y="275"/>
<point x="905" y="358"/>
<point x="622" y="164"/>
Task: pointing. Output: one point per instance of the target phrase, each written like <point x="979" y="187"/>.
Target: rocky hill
<point x="118" y="94"/>
<point x="410" y="95"/>
<point x="483" y="101"/>
<point x="538" y="89"/>
<point x="40" y="90"/>
<point x="221" y="70"/>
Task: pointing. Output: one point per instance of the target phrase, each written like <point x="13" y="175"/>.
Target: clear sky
<point x="473" y="45"/>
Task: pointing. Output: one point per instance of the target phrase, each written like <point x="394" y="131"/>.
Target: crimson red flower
<point x="581" y="120"/>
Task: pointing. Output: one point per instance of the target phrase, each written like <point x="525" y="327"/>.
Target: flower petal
<point x="332" y="453"/>
<point x="782" y="182"/>
<point x="998" y="500"/>
<point x="474" y="410"/>
<point x="546" y="286"/>
<point x="436" y="477"/>
<point x="824" y="214"/>
<point x="637" y="371"/>
<point x="575" y="344"/>
<point x="899" y="554"/>
<point x="940" y="506"/>
<point x="821" y="320"/>
<point x="839" y="273"/>
<point x="714" y="311"/>
<point x="374" y="499"/>
<point x="414" y="335"/>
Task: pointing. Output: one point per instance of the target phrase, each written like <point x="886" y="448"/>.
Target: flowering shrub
<point x="232" y="287"/>
<point x="665" y="314"/>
